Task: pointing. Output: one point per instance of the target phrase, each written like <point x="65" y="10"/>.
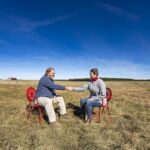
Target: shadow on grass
<point x="76" y="109"/>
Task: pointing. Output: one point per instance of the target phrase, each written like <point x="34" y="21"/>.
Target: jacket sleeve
<point x="49" y="84"/>
<point x="82" y="88"/>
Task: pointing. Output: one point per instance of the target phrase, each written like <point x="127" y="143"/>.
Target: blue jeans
<point x="87" y="106"/>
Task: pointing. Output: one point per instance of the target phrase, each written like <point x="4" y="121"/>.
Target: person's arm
<point x="80" y="89"/>
<point x="48" y="83"/>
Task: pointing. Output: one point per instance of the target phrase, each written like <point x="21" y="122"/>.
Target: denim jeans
<point x="87" y="106"/>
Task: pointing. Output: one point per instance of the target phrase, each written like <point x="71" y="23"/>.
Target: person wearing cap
<point x="97" y="97"/>
<point x="46" y="94"/>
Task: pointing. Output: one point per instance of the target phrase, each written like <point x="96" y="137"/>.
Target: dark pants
<point x="87" y="106"/>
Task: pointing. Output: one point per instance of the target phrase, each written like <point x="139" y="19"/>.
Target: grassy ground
<point x="130" y="108"/>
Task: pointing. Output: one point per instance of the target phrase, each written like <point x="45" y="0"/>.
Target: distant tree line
<point x="105" y="79"/>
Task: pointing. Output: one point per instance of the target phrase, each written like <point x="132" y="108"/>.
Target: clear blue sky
<point x="73" y="36"/>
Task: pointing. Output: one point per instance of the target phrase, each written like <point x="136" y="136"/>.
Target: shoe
<point x="85" y="119"/>
<point x="88" y="120"/>
<point x="65" y="116"/>
<point x="49" y="124"/>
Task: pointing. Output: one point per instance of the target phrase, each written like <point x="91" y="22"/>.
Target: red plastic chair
<point x="30" y="93"/>
<point x="108" y="97"/>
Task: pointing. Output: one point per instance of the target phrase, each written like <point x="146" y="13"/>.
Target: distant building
<point x="12" y="78"/>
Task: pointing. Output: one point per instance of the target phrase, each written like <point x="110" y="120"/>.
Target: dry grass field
<point x="130" y="130"/>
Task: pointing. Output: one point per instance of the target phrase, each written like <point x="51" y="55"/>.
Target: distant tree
<point x="12" y="78"/>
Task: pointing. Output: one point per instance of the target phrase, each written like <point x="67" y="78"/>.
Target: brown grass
<point x="130" y="108"/>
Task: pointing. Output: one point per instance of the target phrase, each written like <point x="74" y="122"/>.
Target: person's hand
<point x="69" y="88"/>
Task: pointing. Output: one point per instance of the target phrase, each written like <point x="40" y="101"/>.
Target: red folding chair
<point x="33" y="104"/>
<point x="108" y="97"/>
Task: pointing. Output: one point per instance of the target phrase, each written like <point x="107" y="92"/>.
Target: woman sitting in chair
<point x="97" y="89"/>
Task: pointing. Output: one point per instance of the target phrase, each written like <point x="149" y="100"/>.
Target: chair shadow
<point x="76" y="109"/>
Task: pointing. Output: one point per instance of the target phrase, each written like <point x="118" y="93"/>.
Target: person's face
<point x="51" y="74"/>
<point x="92" y="75"/>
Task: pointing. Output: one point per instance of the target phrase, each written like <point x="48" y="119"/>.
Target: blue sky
<point x="73" y="37"/>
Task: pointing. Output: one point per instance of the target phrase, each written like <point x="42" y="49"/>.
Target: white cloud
<point x="22" y="24"/>
<point x="119" y="11"/>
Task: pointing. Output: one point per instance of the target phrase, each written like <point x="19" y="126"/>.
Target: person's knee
<point x="82" y="102"/>
<point x="88" y="103"/>
<point x="88" y="106"/>
<point x="49" y="102"/>
<point x="60" y="99"/>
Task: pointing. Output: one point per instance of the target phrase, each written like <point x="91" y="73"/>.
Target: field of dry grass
<point x="130" y="108"/>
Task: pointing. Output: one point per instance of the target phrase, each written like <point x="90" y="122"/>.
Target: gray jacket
<point x="96" y="88"/>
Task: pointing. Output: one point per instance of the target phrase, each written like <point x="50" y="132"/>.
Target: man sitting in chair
<point x="46" y="94"/>
<point x="97" y="98"/>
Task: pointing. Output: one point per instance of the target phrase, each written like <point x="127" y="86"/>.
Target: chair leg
<point x="40" y="116"/>
<point x="29" y="109"/>
<point x="103" y="110"/>
<point x="109" y="114"/>
<point x="28" y="115"/>
<point x="104" y="114"/>
<point x="99" y="113"/>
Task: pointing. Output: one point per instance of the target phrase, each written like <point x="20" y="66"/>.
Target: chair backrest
<point x="108" y="94"/>
<point x="30" y="93"/>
